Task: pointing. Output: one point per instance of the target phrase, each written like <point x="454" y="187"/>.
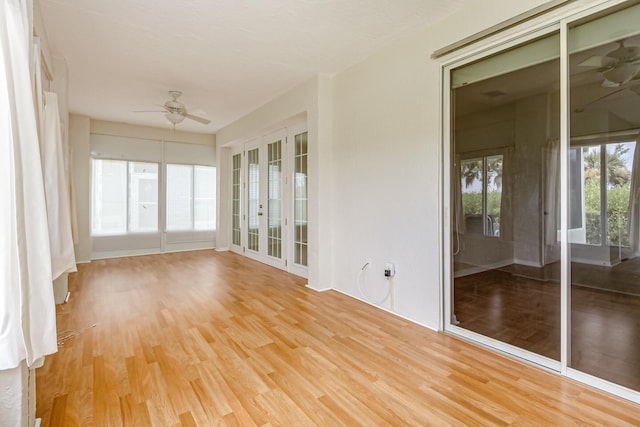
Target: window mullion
<point x="485" y="216"/>
<point x="128" y="198"/>
<point x="604" y="220"/>
<point x="193" y="197"/>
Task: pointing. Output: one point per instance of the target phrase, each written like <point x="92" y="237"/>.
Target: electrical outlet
<point x="389" y="269"/>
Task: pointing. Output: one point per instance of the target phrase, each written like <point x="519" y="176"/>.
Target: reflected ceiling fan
<point x="175" y="111"/>
<point x="620" y="68"/>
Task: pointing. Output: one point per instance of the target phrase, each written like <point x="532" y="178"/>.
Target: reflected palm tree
<point x="472" y="171"/>
<point x="617" y="171"/>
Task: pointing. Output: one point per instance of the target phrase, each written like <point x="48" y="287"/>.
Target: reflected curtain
<point x="551" y="196"/>
<point x="506" y="211"/>
<point x="634" y="203"/>
<point x="459" y="226"/>
<point x="27" y="309"/>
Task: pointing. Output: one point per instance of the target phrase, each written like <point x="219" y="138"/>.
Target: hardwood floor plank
<point x="186" y="420"/>
<point x="281" y="410"/>
<point x="210" y="338"/>
<point x="59" y="411"/>
<point x="159" y="405"/>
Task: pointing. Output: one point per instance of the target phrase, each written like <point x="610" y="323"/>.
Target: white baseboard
<point x="600" y="262"/>
<point x="527" y="263"/>
<point x="313" y="288"/>
<point x="480" y="268"/>
<point x="125" y="253"/>
<point x="395" y="313"/>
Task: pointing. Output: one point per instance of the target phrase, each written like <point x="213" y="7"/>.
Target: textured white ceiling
<point x="228" y="57"/>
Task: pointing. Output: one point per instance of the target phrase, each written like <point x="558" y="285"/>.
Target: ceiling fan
<point x="175" y="111"/>
<point x="618" y="66"/>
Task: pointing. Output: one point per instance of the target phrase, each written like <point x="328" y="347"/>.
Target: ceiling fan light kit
<point x="176" y="112"/>
<point x="621" y="72"/>
<point x="174" y="117"/>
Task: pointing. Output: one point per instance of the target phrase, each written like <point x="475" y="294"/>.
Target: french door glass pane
<point x="179" y="195"/>
<point x="274" y="188"/>
<point x="253" y="200"/>
<point x="300" y="214"/>
<point x="235" y="199"/>
<point x="504" y="181"/>
<point x="604" y="179"/>
<point x="109" y="198"/>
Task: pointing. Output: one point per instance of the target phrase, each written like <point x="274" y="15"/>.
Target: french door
<point x="264" y="183"/>
<point x="269" y="199"/>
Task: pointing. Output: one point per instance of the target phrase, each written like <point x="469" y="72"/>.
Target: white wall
<point x="80" y="142"/>
<point x="387" y="164"/>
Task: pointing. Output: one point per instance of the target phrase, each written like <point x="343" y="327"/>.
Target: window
<point x="599" y="195"/>
<point x="191" y="197"/>
<point x="481" y="184"/>
<point x="125" y="197"/>
<point x="143" y="196"/>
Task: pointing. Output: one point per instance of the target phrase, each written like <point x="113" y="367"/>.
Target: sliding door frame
<point x="558" y="21"/>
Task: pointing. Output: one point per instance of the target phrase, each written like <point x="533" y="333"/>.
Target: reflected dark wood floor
<point x="525" y="312"/>
<point x="623" y="277"/>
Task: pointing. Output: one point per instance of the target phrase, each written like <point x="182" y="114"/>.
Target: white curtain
<point x="634" y="203"/>
<point x="551" y="194"/>
<point x="56" y="190"/>
<point x="459" y="220"/>
<point x="506" y="210"/>
<point x="27" y="309"/>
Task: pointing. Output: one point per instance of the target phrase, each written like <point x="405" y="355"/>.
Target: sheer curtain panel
<point x="27" y="310"/>
<point x="63" y="258"/>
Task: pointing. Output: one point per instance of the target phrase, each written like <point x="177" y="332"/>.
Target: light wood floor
<point x="206" y="338"/>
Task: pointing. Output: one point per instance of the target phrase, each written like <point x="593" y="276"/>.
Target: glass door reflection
<point x="504" y="184"/>
<point x="605" y="192"/>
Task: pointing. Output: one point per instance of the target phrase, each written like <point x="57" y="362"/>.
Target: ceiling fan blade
<point x="197" y="119"/>
<point x="593" y="61"/>
<point x="609" y="83"/>
<point x="149" y="111"/>
<point x="601" y="98"/>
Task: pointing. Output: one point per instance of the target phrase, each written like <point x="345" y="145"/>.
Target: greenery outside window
<point x="607" y="170"/>
<point x="481" y="189"/>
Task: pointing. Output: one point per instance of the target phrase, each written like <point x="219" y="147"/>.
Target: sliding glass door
<point x="604" y="111"/>
<point x="543" y="197"/>
<point x="505" y="122"/>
